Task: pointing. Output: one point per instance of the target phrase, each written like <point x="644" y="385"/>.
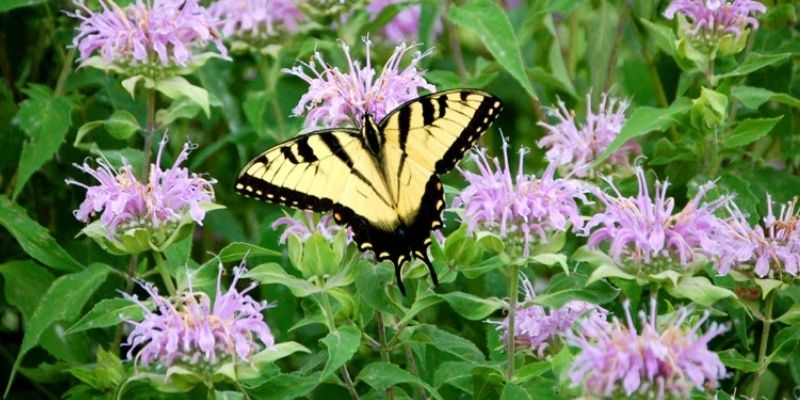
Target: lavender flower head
<point x="643" y="231"/>
<point x="256" y="19"/>
<point x="576" y="147"/>
<point x="404" y="25"/>
<point x="617" y="360"/>
<point x="194" y="330"/>
<point x="305" y="225"/>
<point x="774" y="246"/>
<point x="717" y="17"/>
<point x="518" y="205"/>
<point x="151" y="33"/>
<point x="335" y="98"/>
<point x="538" y="330"/>
<point x="125" y="203"/>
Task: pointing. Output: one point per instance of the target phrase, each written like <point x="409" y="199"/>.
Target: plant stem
<point x="612" y="58"/>
<point x="762" y="350"/>
<point x="385" y="357"/>
<point x="161" y="266"/>
<point x="455" y="47"/>
<point x="513" y="288"/>
<point x="269" y="73"/>
<point x="66" y="68"/>
<point x="150" y="129"/>
<point x="412" y="365"/>
<point x="128" y="289"/>
<point x="327" y="311"/>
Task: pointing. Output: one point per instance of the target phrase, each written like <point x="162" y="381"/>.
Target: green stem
<point x="270" y="73"/>
<point x="513" y="288"/>
<point x="384" y="348"/>
<point x="150" y="128"/>
<point x="128" y="289"/>
<point x="455" y="48"/>
<point x="66" y="68"/>
<point x="412" y="366"/>
<point x="327" y="312"/>
<point x="762" y="350"/>
<point x="612" y="58"/>
<point x="161" y="266"/>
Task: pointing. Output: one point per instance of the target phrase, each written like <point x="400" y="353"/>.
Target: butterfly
<point x="382" y="179"/>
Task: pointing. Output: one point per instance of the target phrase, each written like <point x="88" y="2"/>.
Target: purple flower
<point x="125" y="202"/>
<point x="644" y="230"/>
<point x="617" y="361"/>
<point x="256" y="18"/>
<point x="518" y="205"/>
<point x="145" y="32"/>
<point x="774" y="245"/>
<point x="577" y="147"/>
<point x="305" y="225"/>
<point x="404" y="25"/>
<point x="717" y="17"/>
<point x="192" y="330"/>
<point x="534" y="328"/>
<point x="334" y="97"/>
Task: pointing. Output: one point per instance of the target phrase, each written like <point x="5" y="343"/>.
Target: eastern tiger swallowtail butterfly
<point x="381" y="180"/>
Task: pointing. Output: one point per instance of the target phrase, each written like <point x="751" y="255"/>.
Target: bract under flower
<point x="336" y="98"/>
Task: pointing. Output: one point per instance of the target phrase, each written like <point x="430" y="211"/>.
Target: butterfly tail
<point x="423" y="255"/>
<point x="398" y="274"/>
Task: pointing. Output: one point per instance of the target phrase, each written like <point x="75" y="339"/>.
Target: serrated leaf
<point x="749" y="130"/>
<point x="490" y="22"/>
<point x="46" y="119"/>
<point x="121" y="125"/>
<point x="342" y="345"/>
<point x="754" y="62"/>
<point x="23" y="283"/>
<point x="109" y="312"/>
<point x="62" y="301"/>
<point x="471" y="307"/>
<point x="35" y="239"/>
<point x="382" y="375"/>
<point x="644" y="120"/>
<point x="175" y="87"/>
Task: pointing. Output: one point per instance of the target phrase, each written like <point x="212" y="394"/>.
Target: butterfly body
<point x="382" y="179"/>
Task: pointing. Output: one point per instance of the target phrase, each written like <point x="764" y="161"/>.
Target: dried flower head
<point x="773" y="246"/>
<point x="713" y="18"/>
<point x="540" y="331"/>
<point x="643" y="232"/>
<point x="665" y="363"/>
<point x="192" y="330"/>
<point x="576" y="147"/>
<point x="519" y="206"/>
<point x="126" y="203"/>
<point x="153" y="33"/>
<point x="307" y="224"/>
<point x="256" y="19"/>
<point x="335" y="98"/>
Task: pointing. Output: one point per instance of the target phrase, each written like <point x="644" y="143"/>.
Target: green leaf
<point x="644" y="120"/>
<point x="62" y="301"/>
<point x="608" y="271"/>
<point x="8" y="5"/>
<point x="259" y="361"/>
<point x="791" y="316"/>
<point x="663" y="36"/>
<point x="383" y="375"/>
<point x="470" y="306"/>
<point x="512" y="391"/>
<point x="109" y="312"/>
<point x="24" y="282"/>
<point x="318" y="259"/>
<point x="284" y="387"/>
<point x="532" y="370"/>
<point x="732" y="359"/>
<point x="754" y="62"/>
<point x="445" y="341"/>
<point x="767" y="285"/>
<point x="699" y="290"/>
<point x="490" y="22"/>
<point x="175" y="87"/>
<point x="239" y="251"/>
<point x="83" y="131"/>
<point x="564" y="289"/>
<point x="455" y="373"/>
<point x="273" y="273"/>
<point x="754" y="97"/>
<point x="749" y="130"/>
<point x="342" y="345"/>
<point x="46" y="120"/>
<point x="122" y="125"/>
<point x="182" y="108"/>
<point x="35" y="239"/>
<point x="371" y="281"/>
